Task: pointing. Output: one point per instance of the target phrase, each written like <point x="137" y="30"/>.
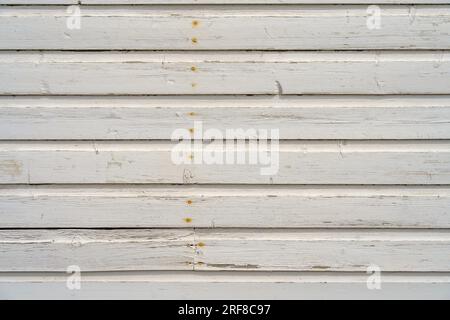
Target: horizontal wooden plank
<point x="202" y="249"/>
<point x="103" y="73"/>
<point x="308" y="162"/>
<point x="223" y="207"/>
<point x="296" y="117"/>
<point x="96" y="250"/>
<point x="224" y="2"/>
<point x="225" y="28"/>
<point x="247" y="285"/>
<point x="321" y="251"/>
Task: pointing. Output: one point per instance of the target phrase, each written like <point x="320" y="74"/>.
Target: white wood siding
<point x="86" y="176"/>
<point x="223" y="250"/>
<point x="99" y="206"/>
<point x="226" y="28"/>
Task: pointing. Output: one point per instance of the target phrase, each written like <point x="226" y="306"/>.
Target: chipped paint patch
<point x="10" y="167"/>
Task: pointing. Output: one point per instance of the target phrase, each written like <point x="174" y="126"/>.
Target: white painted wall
<point x="86" y="177"/>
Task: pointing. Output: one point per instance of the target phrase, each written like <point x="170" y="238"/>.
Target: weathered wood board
<point x="296" y="117"/>
<point x="309" y="162"/>
<point x="360" y="177"/>
<point x="223" y="285"/>
<point x="224" y="207"/>
<point x="346" y="250"/>
<point x="228" y="249"/>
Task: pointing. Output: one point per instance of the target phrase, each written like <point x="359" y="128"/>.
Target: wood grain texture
<point x="224" y="207"/>
<point x="322" y="251"/>
<point x="229" y="249"/>
<point x="246" y="285"/>
<point x="309" y="162"/>
<point x="225" y="28"/>
<point x="386" y="72"/>
<point x="296" y="117"/>
<point x="103" y="2"/>
<point x="95" y="250"/>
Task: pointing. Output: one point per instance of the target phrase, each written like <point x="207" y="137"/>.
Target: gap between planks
<point x="233" y="249"/>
